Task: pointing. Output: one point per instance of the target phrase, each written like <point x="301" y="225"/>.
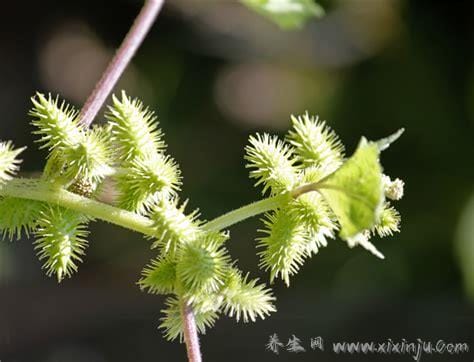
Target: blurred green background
<point x="216" y="72"/>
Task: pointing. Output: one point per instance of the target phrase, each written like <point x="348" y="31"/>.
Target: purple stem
<point x="125" y="53"/>
<point x="119" y="62"/>
<point x="190" y="333"/>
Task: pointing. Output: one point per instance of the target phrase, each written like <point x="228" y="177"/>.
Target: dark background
<point x="215" y="72"/>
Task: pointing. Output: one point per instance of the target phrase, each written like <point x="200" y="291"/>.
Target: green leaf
<point x="355" y="191"/>
<point x="287" y="14"/>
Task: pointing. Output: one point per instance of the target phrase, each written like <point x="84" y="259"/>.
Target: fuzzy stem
<point x="124" y="54"/>
<point x="305" y="188"/>
<point x="245" y="212"/>
<point x="191" y="337"/>
<point x="33" y="189"/>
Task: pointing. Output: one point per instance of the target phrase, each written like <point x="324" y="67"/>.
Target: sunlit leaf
<point x="355" y="191"/>
<point x="288" y="14"/>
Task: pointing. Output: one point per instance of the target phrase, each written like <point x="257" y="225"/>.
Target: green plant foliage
<point x="147" y="175"/>
<point x="313" y="191"/>
<point x="60" y="240"/>
<point x="146" y="181"/>
<point x="55" y="122"/>
<point x="20" y="216"/>
<point x="244" y="299"/>
<point x="272" y="163"/>
<point x="8" y="161"/>
<point x="159" y="277"/>
<point x="362" y="239"/>
<point x="315" y="143"/>
<point x="288" y="14"/>
<point x="89" y="159"/>
<point x="284" y="245"/>
<point x="75" y="153"/>
<point x="311" y="211"/>
<point x="203" y="263"/>
<point x="135" y="129"/>
<point x="355" y="191"/>
<point x="389" y="221"/>
<point x="328" y="193"/>
<point x="173" y="226"/>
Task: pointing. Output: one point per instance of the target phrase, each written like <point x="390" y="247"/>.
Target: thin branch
<point x="191" y="337"/>
<point x="34" y="189"/>
<point x="305" y="188"/>
<point x="122" y="58"/>
<point x="235" y="216"/>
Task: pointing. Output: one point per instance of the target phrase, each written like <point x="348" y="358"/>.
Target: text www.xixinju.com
<point x="414" y="349"/>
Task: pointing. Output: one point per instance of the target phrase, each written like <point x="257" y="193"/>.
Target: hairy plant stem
<point x="34" y="189"/>
<point x="191" y="337"/>
<point x="119" y="62"/>
<point x="39" y="190"/>
<point x="245" y="212"/>
<point x="314" y="186"/>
